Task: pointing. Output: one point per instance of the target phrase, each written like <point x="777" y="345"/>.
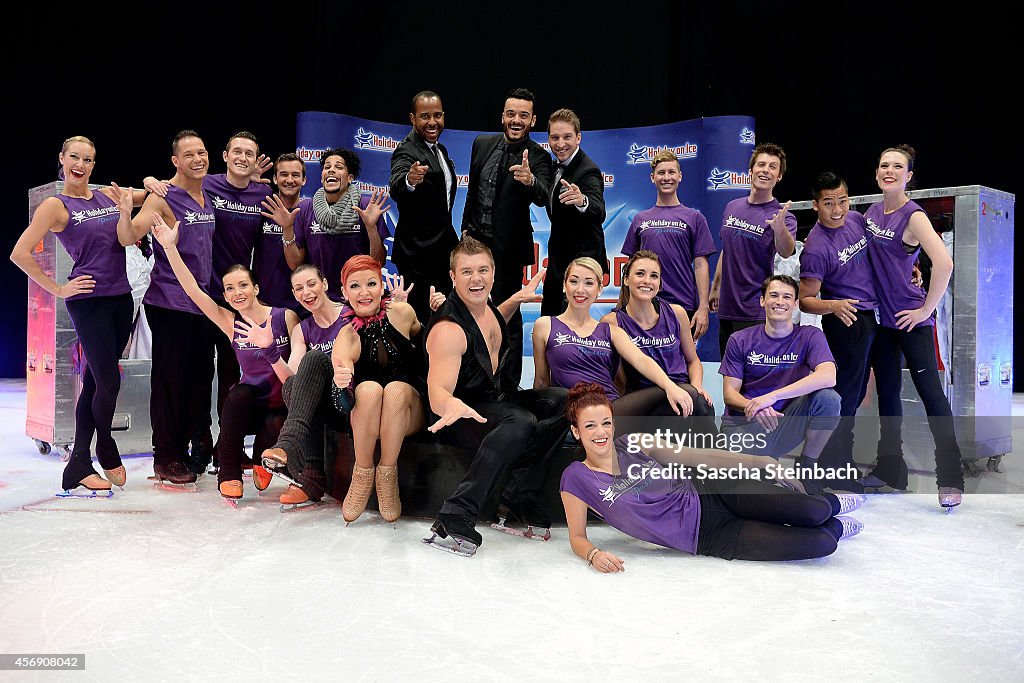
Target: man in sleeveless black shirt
<point x="467" y="346"/>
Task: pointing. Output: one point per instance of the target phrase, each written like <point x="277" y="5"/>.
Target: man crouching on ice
<point x="511" y="430"/>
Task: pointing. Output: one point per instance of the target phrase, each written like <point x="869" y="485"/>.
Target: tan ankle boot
<point x="388" y="503"/>
<point x="358" y="493"/>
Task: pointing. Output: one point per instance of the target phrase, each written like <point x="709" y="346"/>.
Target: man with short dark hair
<point x="423" y="184"/>
<point x="575" y="205"/>
<point x="467" y="348"/>
<point x="507" y="173"/>
<point x="778" y="379"/>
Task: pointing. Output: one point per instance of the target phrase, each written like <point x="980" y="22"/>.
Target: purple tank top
<point x="891" y="265"/>
<point x="661" y="343"/>
<point x="574" y="359"/>
<point x="321" y="338"/>
<point x="90" y="238"/>
<point x="195" y="244"/>
<point x="664" y="510"/>
<point x="256" y="371"/>
<point x="272" y="271"/>
<point x="237" y="214"/>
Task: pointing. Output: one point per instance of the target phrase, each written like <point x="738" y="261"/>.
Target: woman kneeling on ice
<point x="732" y="518"/>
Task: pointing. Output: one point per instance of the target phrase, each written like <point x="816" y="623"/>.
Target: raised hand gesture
<point x="123" y="199"/>
<point x="436" y="299"/>
<point x="571" y="194"/>
<point x="164" y="234"/>
<point x="262" y="165"/>
<point x="778" y="221"/>
<point x="396" y="285"/>
<point x="277" y="211"/>
<point x="371" y="214"/>
<point x="417" y="173"/>
<point x="521" y="171"/>
<point x="250" y="332"/>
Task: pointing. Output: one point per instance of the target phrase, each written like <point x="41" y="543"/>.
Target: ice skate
<point x="848" y="502"/>
<point x="90" y="487"/>
<point x="358" y="493"/>
<point x="950" y="497"/>
<point x="260" y="477"/>
<point x="874" y="484"/>
<point x="344" y="399"/>
<point x="454" y="534"/>
<point x="116" y="476"/>
<point x="526" y="519"/>
<point x="274" y="458"/>
<point x="294" y="498"/>
<point x="851" y="527"/>
<point x="232" y="492"/>
<point x="201" y="454"/>
<point x="174" y="476"/>
<point x="283" y="474"/>
<point x="388" y="503"/>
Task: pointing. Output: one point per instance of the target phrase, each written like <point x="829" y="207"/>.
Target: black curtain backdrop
<point x="834" y="83"/>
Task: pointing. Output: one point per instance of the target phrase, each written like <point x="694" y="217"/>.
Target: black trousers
<point x="228" y="372"/>
<point x="756" y="520"/>
<point x="245" y="413"/>
<point x="851" y="348"/>
<point x="180" y="380"/>
<point x="423" y="276"/>
<point x="508" y="281"/>
<point x="726" y="328"/>
<point x="520" y="437"/>
<point x="918" y="348"/>
<point x="103" y="325"/>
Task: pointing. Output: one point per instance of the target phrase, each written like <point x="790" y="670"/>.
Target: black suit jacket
<point x="576" y="233"/>
<point x="510" y="235"/>
<point x="424" y="235"/>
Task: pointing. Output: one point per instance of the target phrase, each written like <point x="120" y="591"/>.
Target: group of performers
<point x="289" y="297"/>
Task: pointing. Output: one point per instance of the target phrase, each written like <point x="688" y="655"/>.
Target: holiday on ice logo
<point x="91" y="214"/>
<point x="662" y="224"/>
<point x="196" y="217"/>
<point x="310" y="153"/>
<point x="755" y="358"/>
<point x="566" y="338"/>
<point x="878" y="231"/>
<point x="642" y="154"/>
<point x="728" y="180"/>
<point x="366" y="139"/>
<point x="746" y="136"/>
<point x="851" y="251"/>
<point x="644" y="342"/>
<point x="740" y="224"/>
<point x="221" y="204"/>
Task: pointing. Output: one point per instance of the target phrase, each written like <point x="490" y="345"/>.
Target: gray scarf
<point x="340" y="217"/>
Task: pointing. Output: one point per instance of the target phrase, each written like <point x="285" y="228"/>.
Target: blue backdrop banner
<point x="713" y="153"/>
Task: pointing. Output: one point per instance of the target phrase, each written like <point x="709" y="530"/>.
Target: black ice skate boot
<point x="454" y="534"/>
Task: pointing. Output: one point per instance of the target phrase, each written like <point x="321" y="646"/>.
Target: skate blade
<point x="455" y="546"/>
<point x="531" y="532"/>
<point x="285" y="507"/>
<point x="166" y="485"/>
<point x="90" y="493"/>
<point x="233" y="502"/>
<point x="285" y="477"/>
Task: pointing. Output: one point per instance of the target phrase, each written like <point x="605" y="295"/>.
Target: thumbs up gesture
<point x="521" y="171"/>
<point x="416" y="173"/>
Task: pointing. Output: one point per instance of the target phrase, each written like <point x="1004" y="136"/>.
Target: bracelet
<point x="590" y="555"/>
<point x="287" y="243"/>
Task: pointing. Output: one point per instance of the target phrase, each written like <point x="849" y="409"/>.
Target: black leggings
<point x="651" y="401"/>
<point x="757" y="520"/>
<point x="103" y="325"/>
<point x="310" y="409"/>
<point x="918" y="348"/>
<point x="244" y="412"/>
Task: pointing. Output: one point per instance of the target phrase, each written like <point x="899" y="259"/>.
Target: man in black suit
<point x="507" y="173"/>
<point x="575" y="206"/>
<point x="423" y="184"/>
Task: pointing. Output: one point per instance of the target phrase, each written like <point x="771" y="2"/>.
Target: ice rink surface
<point x="169" y="586"/>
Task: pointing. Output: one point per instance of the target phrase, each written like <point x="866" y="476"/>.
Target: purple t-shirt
<point x="272" y="271"/>
<point x="893" y="267"/>
<point x="665" y="512"/>
<point x="237" y="211"/>
<point x="748" y="256"/>
<point x="573" y="359"/>
<point x="661" y="343"/>
<point x="838" y="257"/>
<point x="764" y="364"/>
<point x="195" y="244"/>
<point x="329" y="252"/>
<point x="321" y="338"/>
<point x="90" y="238"/>
<point x="677" y="234"/>
<point x="256" y="370"/>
